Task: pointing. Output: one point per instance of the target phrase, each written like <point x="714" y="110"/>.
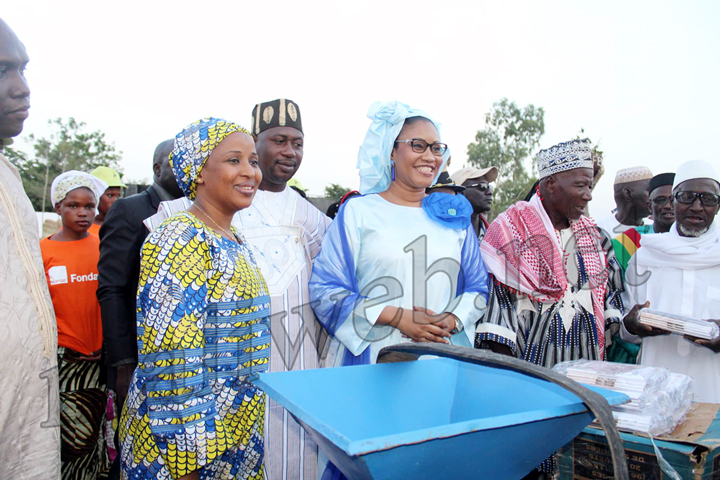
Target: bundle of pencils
<point x="679" y="324"/>
<point x="658" y="399"/>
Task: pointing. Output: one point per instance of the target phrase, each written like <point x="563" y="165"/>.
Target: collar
<point x="162" y="193"/>
<point x="672" y="250"/>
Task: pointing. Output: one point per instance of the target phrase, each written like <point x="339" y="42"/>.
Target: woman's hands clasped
<point x="420" y="324"/>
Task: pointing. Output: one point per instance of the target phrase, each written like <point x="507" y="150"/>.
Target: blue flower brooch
<point x="452" y="211"/>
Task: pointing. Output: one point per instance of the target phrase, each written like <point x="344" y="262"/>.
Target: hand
<point x="497" y="347"/>
<point x="633" y="325"/>
<point x="93" y="357"/>
<point x="713" y="345"/>
<point x="445" y="320"/>
<point x="417" y="325"/>
<point x="122" y="383"/>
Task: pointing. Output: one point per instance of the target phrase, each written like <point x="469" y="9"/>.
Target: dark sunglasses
<point x="480" y="186"/>
<point x="688" y="198"/>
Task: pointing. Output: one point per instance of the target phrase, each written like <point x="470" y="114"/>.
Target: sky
<point x="641" y="77"/>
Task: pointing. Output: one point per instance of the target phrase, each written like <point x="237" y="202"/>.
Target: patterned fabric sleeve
<point x="172" y="300"/>
<point x="472" y="289"/>
<point x="614" y="309"/>
<point x="500" y="323"/>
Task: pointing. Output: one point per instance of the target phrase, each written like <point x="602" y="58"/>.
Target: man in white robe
<point x="285" y="232"/>
<point x="29" y="398"/>
<point x="679" y="272"/>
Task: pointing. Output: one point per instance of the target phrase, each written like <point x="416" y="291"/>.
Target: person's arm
<point x="341" y="307"/>
<point x="121" y="238"/>
<point x="314" y="230"/>
<point x="472" y="290"/>
<point x="419" y="324"/>
<point x="172" y="298"/>
<point x="498" y="328"/>
<point x="713" y="345"/>
<point x="333" y="285"/>
<point x="615" y="284"/>
<point x="633" y="330"/>
<point x="634" y="299"/>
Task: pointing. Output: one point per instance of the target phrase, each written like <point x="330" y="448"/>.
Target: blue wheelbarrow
<point x="468" y="414"/>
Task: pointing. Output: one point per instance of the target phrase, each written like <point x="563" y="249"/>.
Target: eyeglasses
<point x="419" y="146"/>
<point x="661" y="200"/>
<point x="480" y="186"/>
<point x="688" y="198"/>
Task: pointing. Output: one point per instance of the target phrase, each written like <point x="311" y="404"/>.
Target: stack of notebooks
<point x="679" y="324"/>
<point x="659" y="400"/>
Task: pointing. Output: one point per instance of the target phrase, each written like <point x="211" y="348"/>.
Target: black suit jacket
<point x="121" y="237"/>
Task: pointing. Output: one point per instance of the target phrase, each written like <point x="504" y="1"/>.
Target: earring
<point x="537" y="191"/>
<point x="392" y="170"/>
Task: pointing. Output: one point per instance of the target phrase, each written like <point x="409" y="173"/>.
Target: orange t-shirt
<point x="71" y="269"/>
<point x="94" y="229"/>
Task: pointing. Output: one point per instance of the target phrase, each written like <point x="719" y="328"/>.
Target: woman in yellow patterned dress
<point x="203" y="323"/>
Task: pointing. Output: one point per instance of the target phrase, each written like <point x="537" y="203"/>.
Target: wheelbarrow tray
<point x="434" y="418"/>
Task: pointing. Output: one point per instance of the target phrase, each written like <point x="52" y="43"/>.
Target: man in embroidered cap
<point x="285" y="232"/>
<point x="555" y="282"/>
<point x="631" y="199"/>
<point x="29" y="398"/>
<point x="479" y="192"/>
<point x="677" y="273"/>
<point x="542" y="307"/>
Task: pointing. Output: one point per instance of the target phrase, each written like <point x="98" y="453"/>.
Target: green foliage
<point x="68" y="148"/>
<point x="596" y="148"/>
<point x="335" y="191"/>
<point x="510" y="136"/>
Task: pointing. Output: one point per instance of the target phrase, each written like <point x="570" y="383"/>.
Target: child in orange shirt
<point x="70" y="258"/>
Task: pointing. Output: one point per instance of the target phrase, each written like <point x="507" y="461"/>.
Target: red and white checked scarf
<point x="522" y="251"/>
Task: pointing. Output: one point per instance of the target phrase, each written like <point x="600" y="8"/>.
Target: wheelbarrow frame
<point x="597" y="405"/>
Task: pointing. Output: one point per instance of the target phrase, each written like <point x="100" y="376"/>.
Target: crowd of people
<point x="131" y="333"/>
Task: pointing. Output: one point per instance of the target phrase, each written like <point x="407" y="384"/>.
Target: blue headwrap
<point x="373" y="163"/>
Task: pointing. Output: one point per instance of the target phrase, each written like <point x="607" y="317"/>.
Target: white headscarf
<point x="671" y="250"/>
<point x="70" y="180"/>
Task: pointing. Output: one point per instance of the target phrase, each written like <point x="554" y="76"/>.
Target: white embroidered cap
<point x="563" y="157"/>
<point x="632" y="174"/>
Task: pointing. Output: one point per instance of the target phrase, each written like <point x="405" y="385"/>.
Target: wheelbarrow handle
<point x="594" y="401"/>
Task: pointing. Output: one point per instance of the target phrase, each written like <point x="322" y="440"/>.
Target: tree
<point x="335" y="191"/>
<point x="510" y="136"/>
<point x="69" y="148"/>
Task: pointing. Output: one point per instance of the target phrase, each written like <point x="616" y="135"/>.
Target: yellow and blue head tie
<point x="194" y="145"/>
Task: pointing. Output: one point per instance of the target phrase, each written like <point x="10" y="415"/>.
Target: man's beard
<point x="687" y="232"/>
